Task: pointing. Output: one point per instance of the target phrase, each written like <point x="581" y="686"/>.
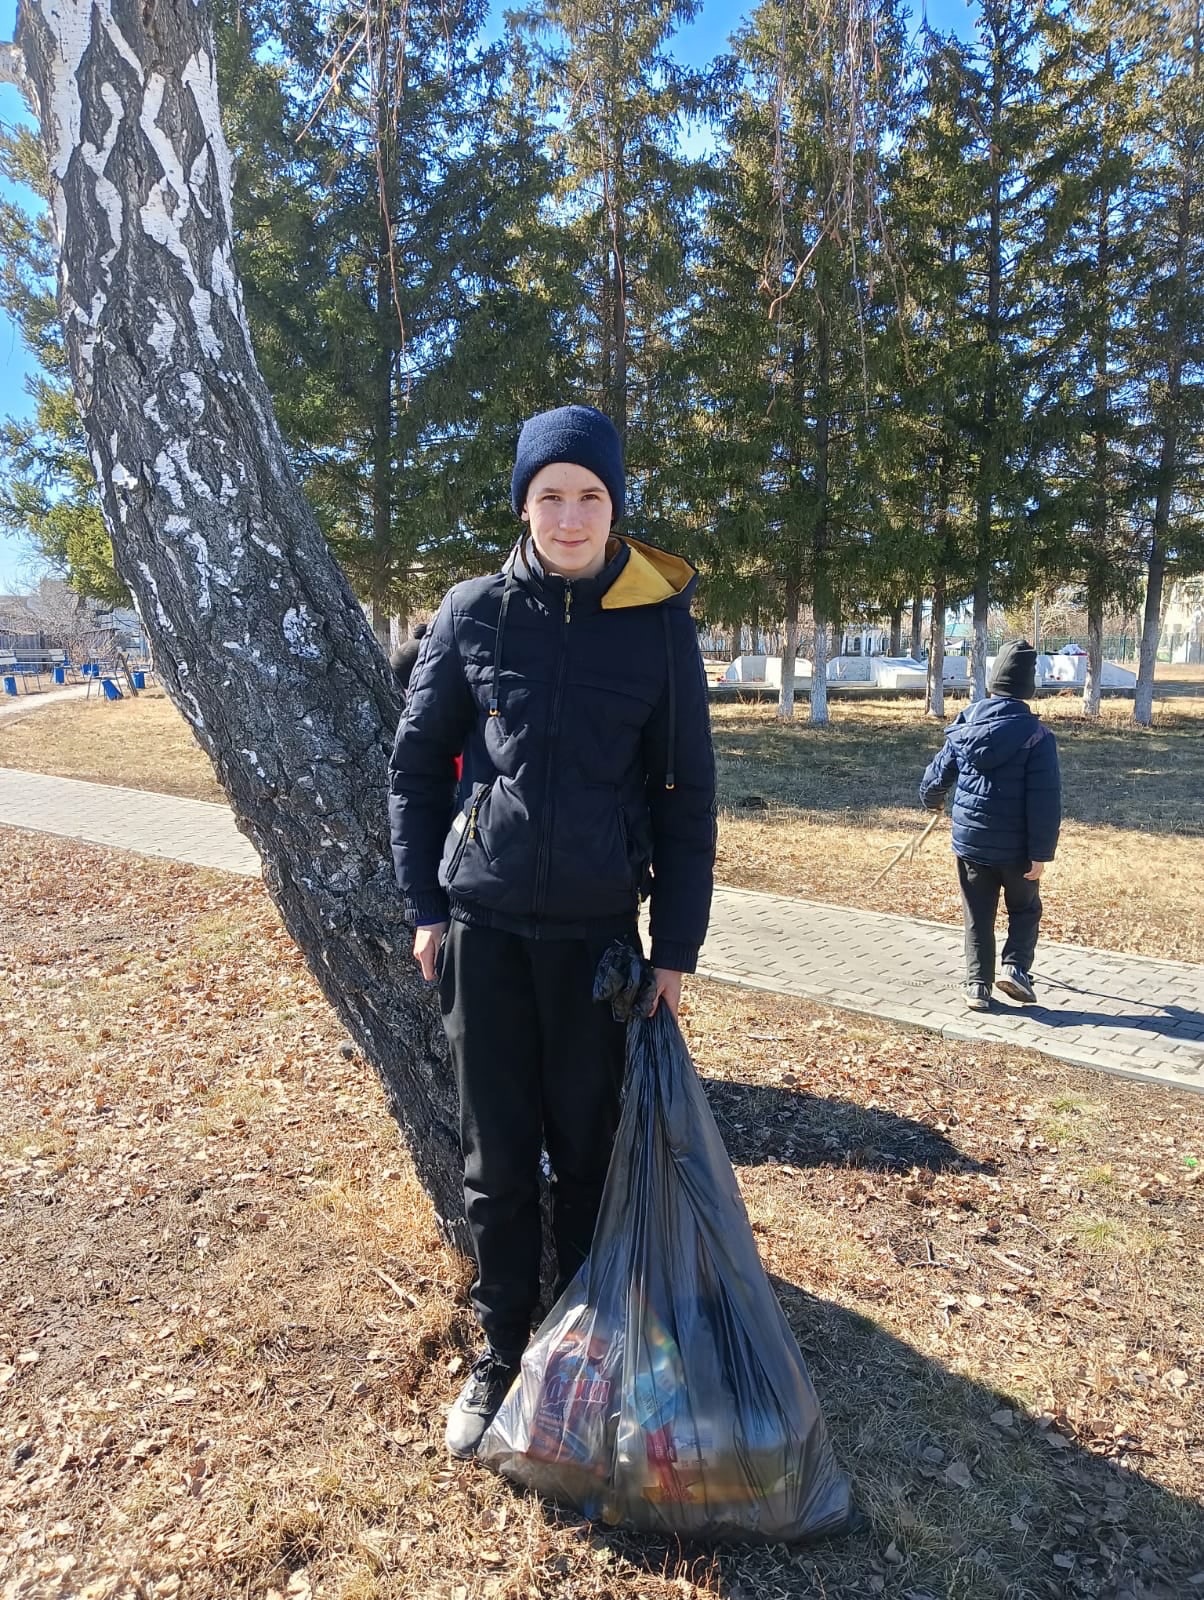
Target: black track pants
<point x="537" y="1063"/>
<point x="981" y="886"/>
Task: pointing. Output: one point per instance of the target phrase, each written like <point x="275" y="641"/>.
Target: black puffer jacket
<point x="581" y="711"/>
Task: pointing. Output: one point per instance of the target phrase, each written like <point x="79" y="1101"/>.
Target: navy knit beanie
<point x="1015" y="671"/>
<point x="570" y="433"/>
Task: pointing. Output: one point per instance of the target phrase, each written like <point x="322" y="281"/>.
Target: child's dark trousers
<point x="981" y="886"/>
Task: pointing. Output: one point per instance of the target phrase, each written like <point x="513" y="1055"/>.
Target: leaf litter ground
<point x="228" y="1328"/>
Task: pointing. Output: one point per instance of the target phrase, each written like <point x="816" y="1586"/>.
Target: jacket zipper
<point x="541" y="860"/>
<point x="469" y="833"/>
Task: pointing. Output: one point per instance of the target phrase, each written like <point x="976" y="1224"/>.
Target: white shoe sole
<point x="1015" y="992"/>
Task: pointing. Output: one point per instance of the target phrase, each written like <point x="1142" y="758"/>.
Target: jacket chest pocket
<point x="605" y="722"/>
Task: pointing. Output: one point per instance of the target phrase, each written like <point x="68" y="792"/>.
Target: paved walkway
<point x="1118" y="1013"/>
<point x="24" y="704"/>
<point x="195" y="831"/>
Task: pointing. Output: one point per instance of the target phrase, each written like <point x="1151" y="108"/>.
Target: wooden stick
<point x="909" y="849"/>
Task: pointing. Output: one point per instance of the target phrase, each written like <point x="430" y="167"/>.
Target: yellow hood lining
<point x="649" y="578"/>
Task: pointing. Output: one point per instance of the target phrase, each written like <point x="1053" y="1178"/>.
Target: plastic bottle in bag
<point x="655" y="1443"/>
<point x="577" y="1402"/>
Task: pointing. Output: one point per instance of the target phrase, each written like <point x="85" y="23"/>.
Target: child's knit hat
<point x="1015" y="671"/>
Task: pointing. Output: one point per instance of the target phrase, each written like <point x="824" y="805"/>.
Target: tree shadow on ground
<point x="871" y="760"/>
<point x="967" y="1497"/>
<point x="762" y="1124"/>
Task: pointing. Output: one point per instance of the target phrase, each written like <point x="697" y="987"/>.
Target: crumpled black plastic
<point x="665" y="1390"/>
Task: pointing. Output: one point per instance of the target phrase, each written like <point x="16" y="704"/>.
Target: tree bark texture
<point x="789" y="652"/>
<point x="978" y="636"/>
<point x="936" y="651"/>
<point x="1151" y="633"/>
<point x="1093" y="682"/>
<point x="917" y="626"/>
<point x="1170" y="417"/>
<point x="819" y="674"/>
<point x="256" y="634"/>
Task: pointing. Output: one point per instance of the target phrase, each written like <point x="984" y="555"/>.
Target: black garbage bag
<point x="665" y="1389"/>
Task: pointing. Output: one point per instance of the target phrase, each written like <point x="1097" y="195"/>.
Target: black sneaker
<point x="978" y="997"/>
<point x="478" y="1403"/>
<point x="1018" y="985"/>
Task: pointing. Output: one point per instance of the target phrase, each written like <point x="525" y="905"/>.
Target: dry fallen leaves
<point x="206" y="1430"/>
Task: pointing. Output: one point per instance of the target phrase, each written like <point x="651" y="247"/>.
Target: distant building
<point x="1183" y="624"/>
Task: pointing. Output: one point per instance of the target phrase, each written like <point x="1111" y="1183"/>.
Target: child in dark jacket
<point x="573" y="684"/>
<point x="1002" y="764"/>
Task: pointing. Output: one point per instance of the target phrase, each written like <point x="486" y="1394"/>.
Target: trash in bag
<point x="665" y="1389"/>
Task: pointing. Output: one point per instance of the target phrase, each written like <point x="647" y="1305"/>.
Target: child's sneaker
<point x="978" y="997"/>
<point x="1018" y="985"/>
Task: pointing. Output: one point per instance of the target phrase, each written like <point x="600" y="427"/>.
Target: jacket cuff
<point x="674" y="957"/>
<point x="423" y="909"/>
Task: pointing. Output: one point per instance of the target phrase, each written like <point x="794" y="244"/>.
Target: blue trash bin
<point x="112" y="692"/>
<point x="10" y="686"/>
<point x="139" y="679"/>
<point x="60" y="675"/>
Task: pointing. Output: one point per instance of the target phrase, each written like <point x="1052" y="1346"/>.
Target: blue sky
<point x="696" y="45"/>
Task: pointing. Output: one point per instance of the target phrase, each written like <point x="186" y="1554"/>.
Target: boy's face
<point x="569" y="513"/>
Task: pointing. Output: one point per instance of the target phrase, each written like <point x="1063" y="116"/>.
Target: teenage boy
<point x="573" y="683"/>
<point x="1002" y="763"/>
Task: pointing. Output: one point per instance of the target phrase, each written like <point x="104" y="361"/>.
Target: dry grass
<point x="839" y="803"/>
<point x="208" y="1390"/>
<point x="140" y="743"/>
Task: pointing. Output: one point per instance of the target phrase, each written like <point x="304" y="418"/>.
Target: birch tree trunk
<point x="256" y="634"/>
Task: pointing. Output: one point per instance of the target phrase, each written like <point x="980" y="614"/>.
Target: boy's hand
<point x="1035" y="869"/>
<point x="426" y="948"/>
<point x="668" y="989"/>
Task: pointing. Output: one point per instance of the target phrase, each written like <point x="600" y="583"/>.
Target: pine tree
<point x="1088" y="252"/>
<point x="627" y="200"/>
<point x="933" y="200"/>
<point x="47" y="484"/>
<point x="792" y="305"/>
<point x="1169" y="422"/>
<point x="386" y="111"/>
<point x="1000" y="308"/>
